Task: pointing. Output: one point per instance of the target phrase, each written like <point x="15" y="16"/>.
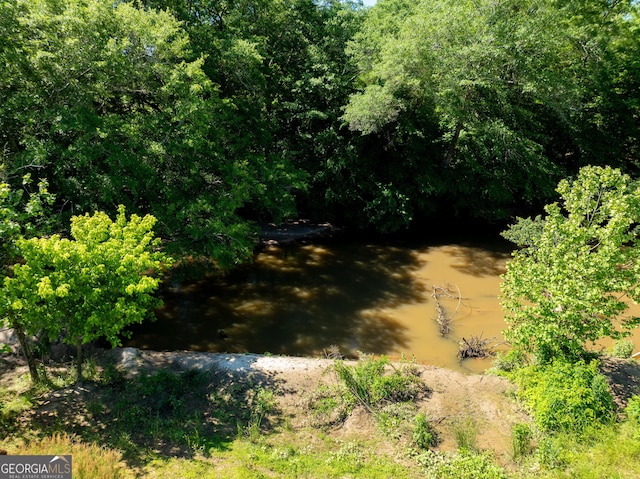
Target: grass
<point x="203" y="425"/>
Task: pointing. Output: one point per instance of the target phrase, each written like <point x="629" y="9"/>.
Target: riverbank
<point x="172" y="412"/>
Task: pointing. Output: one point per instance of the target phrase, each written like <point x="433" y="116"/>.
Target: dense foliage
<point x="87" y="287"/>
<point x="565" y="397"/>
<point x="216" y="115"/>
<point x="581" y="265"/>
<point x="481" y="107"/>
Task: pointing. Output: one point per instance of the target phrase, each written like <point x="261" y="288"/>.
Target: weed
<point x="262" y="404"/>
<point x="551" y="452"/>
<point x="424" y="434"/>
<point x="465" y="431"/>
<point x="521" y="441"/>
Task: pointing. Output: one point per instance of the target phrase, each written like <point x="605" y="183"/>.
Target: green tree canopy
<point x="485" y="105"/>
<point x="90" y="286"/>
<point x="572" y="283"/>
<point x="109" y="103"/>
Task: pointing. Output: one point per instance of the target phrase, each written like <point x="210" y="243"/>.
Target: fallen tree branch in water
<point x="444" y="321"/>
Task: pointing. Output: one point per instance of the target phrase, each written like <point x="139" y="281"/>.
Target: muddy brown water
<point x="374" y="297"/>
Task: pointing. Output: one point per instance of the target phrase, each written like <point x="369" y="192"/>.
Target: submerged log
<point x="444" y="320"/>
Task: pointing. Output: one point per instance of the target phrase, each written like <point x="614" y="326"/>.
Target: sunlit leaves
<point x="92" y="285"/>
<point x="569" y="286"/>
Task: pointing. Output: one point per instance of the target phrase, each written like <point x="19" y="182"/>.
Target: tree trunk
<point x="26" y="350"/>
<point x="79" y="362"/>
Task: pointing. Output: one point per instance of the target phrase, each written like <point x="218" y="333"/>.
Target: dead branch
<point x="476" y="347"/>
<point x="443" y="319"/>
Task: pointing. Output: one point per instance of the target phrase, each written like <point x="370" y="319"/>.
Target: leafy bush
<point x="424" y="435"/>
<point x="565" y="396"/>
<point x="622" y="349"/>
<point x="369" y="383"/>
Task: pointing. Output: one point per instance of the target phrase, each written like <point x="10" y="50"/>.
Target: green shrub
<point x="633" y="409"/>
<point x="565" y="396"/>
<point x="622" y="349"/>
<point x="424" y="435"/>
<point x="464" y="465"/>
<point x="371" y="384"/>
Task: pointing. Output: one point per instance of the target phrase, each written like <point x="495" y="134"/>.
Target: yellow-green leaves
<point x="91" y="285"/>
<point x="568" y="286"/>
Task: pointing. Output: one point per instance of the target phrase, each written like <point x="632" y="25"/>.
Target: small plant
<point x="551" y="453"/>
<point x="424" y="435"/>
<point x="465" y="432"/>
<point x="521" y="441"/>
<point x="263" y="403"/>
<point x="622" y="349"/>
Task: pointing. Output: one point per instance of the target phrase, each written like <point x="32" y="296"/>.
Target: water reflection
<point x="371" y="297"/>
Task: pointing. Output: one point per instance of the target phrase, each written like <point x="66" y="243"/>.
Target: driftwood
<point x="444" y="320"/>
<point x="476" y="347"/>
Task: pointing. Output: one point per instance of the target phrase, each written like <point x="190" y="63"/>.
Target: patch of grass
<point x="373" y="382"/>
<point x="88" y="460"/>
<point x="463" y="465"/>
<point x="465" y="432"/>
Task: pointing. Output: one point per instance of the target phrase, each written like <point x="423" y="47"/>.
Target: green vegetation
<point x="568" y="285"/>
<point x="82" y="289"/>
<point x="213" y="424"/>
<point x="567" y="397"/>
<point x="217" y="116"/>
<point x="207" y="119"/>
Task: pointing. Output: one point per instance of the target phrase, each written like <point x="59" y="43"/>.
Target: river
<point x="372" y="296"/>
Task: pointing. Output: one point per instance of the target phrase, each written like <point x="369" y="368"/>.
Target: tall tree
<point x="110" y="104"/>
<point x="507" y="88"/>
<point x="282" y="64"/>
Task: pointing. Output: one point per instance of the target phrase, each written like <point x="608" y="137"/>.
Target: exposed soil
<point x="481" y="402"/>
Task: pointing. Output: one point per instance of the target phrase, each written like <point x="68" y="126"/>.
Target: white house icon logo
<point x="35" y="467"/>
